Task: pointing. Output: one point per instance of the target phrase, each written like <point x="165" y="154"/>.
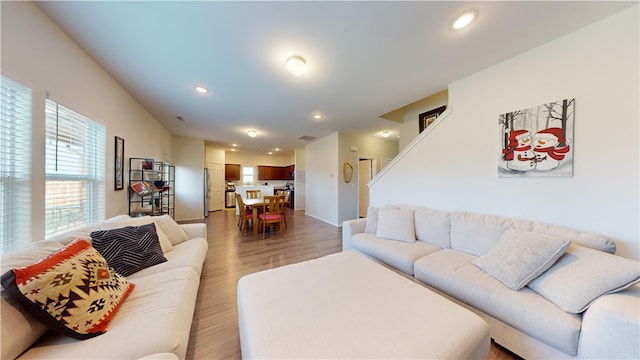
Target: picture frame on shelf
<point x="118" y="170"/>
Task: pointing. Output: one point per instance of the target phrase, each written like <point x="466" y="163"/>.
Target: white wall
<point x="190" y="163"/>
<point x="410" y="127"/>
<point x="367" y="147"/>
<point x="300" y="182"/>
<point x="327" y="196"/>
<point x="235" y="157"/>
<point x="38" y="54"/>
<point x="321" y="179"/>
<point x="454" y="168"/>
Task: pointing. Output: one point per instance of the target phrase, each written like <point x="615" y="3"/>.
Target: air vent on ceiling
<point x="179" y="118"/>
<point x="306" y="137"/>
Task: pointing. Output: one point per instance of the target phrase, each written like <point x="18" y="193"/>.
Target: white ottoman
<point x="347" y="306"/>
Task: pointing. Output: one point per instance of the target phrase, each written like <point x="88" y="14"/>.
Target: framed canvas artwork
<point x="538" y="141"/>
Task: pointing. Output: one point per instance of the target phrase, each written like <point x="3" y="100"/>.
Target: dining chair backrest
<point x="253" y="194"/>
<point x="244" y="213"/>
<point x="285" y="193"/>
<point x="273" y="204"/>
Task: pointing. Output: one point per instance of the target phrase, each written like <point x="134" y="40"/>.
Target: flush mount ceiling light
<point x="385" y="134"/>
<point x="464" y="20"/>
<point x="201" y="89"/>
<point x="252" y="133"/>
<point x="296" y="65"/>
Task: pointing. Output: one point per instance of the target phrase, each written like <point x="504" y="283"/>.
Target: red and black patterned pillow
<point x="72" y="291"/>
<point x="129" y="249"/>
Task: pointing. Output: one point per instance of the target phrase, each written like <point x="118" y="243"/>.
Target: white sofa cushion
<point x="582" y="275"/>
<point x="398" y="254"/>
<point x="396" y="224"/>
<point x="156" y="318"/>
<point x="520" y="256"/>
<point x="187" y="254"/>
<point x="453" y="273"/>
<point x="475" y="234"/>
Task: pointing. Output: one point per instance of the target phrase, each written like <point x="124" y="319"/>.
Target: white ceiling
<point x="364" y="59"/>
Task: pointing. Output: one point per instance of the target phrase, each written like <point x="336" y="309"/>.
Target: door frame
<point x="374" y="171"/>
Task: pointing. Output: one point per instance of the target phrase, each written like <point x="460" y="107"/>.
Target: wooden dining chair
<point x="253" y="194"/>
<point x="286" y="194"/>
<point x="272" y="212"/>
<point x="245" y="214"/>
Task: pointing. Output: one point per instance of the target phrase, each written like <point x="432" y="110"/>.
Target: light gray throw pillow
<point x="582" y="275"/>
<point x="396" y="224"/>
<point x="521" y="256"/>
<point x="371" y="225"/>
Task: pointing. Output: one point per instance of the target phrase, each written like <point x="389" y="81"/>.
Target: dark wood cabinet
<point x="275" y="172"/>
<point x="232" y="171"/>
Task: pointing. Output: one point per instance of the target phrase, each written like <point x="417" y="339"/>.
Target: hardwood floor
<point x="231" y="255"/>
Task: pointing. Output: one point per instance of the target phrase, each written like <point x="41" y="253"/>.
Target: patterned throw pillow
<point x="72" y="291"/>
<point x="129" y="249"/>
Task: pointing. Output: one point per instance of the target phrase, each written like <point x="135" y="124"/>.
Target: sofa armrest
<point x="611" y="327"/>
<point x="350" y="228"/>
<point x="195" y="230"/>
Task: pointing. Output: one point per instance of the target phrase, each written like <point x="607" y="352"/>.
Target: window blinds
<point x="15" y="163"/>
<point x="75" y="169"/>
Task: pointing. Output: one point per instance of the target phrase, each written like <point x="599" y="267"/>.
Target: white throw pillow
<point x="396" y="224"/>
<point x="174" y="231"/>
<point x="371" y="226"/>
<point x="521" y="256"/>
<point x="582" y="275"/>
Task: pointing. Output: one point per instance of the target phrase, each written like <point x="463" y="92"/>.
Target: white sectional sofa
<point x="546" y="291"/>
<point x="153" y="322"/>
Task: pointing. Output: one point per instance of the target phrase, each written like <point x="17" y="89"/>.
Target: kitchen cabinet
<point x="275" y="172"/>
<point x="232" y="171"/>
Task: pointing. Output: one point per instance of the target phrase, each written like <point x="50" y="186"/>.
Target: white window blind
<point x="75" y="167"/>
<point x="15" y="164"/>
<point x="247" y="175"/>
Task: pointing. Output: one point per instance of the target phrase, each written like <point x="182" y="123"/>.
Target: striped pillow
<point x="129" y="249"/>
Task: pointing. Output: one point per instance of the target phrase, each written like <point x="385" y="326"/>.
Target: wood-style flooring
<point x="232" y="254"/>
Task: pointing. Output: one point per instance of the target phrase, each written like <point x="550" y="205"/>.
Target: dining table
<point x="254" y="204"/>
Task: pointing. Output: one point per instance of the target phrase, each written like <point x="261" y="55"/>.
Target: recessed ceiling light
<point x="464" y="20"/>
<point x="270" y="153"/>
<point x="252" y="133"/>
<point x="296" y="65"/>
<point x="385" y="134"/>
<point x="317" y="116"/>
<point x="234" y="145"/>
<point x="201" y="89"/>
<point x="232" y="149"/>
<point x="277" y="149"/>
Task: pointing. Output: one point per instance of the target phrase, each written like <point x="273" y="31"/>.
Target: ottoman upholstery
<point x="347" y="306"/>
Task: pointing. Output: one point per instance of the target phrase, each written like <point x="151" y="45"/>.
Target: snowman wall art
<point x="537" y="142"/>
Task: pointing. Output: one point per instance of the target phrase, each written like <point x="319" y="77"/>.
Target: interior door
<point x="364" y="176"/>
<point x="216" y="186"/>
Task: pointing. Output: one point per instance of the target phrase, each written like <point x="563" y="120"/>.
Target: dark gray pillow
<point x="129" y="249"/>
